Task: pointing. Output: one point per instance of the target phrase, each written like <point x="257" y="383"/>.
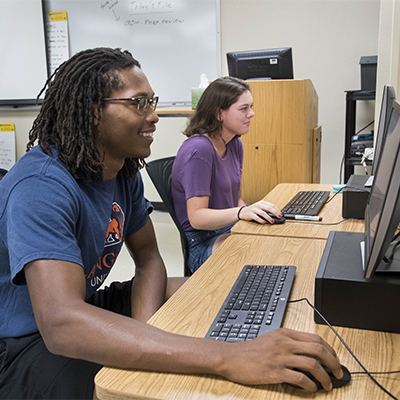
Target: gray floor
<point x="168" y="243"/>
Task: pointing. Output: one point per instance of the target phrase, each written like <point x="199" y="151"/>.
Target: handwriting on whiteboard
<point x="149" y="13"/>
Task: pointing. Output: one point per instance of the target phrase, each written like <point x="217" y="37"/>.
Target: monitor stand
<point x="391" y="267"/>
<point x="385" y="266"/>
<point x="345" y="298"/>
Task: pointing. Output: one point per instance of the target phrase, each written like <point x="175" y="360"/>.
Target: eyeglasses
<point x="142" y="103"/>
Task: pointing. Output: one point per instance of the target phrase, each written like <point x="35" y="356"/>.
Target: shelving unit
<point x="352" y="96"/>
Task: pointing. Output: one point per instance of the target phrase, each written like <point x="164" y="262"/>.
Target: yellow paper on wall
<point x="56" y="39"/>
<point x="7" y="145"/>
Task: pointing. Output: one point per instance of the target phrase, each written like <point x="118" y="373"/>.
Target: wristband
<point x="238" y="214"/>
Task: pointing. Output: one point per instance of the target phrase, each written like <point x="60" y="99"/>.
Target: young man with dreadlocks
<point x="66" y="207"/>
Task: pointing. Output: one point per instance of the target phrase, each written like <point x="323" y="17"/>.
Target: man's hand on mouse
<point x="271" y="358"/>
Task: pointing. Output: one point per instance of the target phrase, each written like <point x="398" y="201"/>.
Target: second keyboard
<point x="306" y="203"/>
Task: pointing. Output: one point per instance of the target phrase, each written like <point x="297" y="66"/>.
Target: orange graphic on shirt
<point x="114" y="236"/>
<point x="114" y="231"/>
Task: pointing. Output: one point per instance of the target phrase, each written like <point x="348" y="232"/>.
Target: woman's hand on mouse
<point x="259" y="212"/>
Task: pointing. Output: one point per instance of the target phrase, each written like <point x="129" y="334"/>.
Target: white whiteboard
<point x="174" y="40"/>
<point x="23" y="69"/>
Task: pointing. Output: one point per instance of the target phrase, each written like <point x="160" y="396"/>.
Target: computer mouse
<point x="336" y="383"/>
<point x="275" y="218"/>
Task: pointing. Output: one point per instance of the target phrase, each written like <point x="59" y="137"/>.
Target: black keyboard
<point x="306" y="203"/>
<point x="255" y="305"/>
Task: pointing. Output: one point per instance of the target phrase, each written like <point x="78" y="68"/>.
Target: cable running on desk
<point x="349" y="350"/>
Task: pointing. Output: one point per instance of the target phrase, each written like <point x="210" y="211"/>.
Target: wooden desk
<point x="331" y="213"/>
<point x="193" y="308"/>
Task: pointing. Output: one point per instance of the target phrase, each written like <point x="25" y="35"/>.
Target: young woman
<point x="207" y="171"/>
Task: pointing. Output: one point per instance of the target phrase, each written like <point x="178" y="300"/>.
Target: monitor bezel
<point x="388" y="96"/>
<point x="283" y="53"/>
<point x="389" y="217"/>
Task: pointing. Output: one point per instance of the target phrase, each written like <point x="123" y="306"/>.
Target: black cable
<point x="328" y="200"/>
<point x="341" y="170"/>
<point x="348" y="349"/>
<point x="376" y="373"/>
<point x="365" y="127"/>
<point x="390" y="258"/>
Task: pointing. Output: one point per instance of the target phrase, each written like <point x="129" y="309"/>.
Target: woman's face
<point x="236" y="119"/>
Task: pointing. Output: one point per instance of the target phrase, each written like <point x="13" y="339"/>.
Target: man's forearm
<point x="148" y="290"/>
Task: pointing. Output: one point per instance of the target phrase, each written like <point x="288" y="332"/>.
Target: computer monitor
<point x="386" y="108"/>
<point x="261" y="64"/>
<point x="382" y="214"/>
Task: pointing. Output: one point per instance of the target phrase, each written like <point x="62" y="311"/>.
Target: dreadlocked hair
<point x="73" y="98"/>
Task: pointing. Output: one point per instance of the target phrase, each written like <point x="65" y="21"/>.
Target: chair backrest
<point x="160" y="172"/>
<point x="2" y="173"/>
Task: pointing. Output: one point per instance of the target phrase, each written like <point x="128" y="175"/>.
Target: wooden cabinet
<point x="283" y="144"/>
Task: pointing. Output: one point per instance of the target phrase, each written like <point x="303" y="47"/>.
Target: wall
<point x="389" y="49"/>
<point x="328" y="38"/>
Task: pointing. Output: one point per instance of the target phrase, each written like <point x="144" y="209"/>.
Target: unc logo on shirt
<point x="112" y="246"/>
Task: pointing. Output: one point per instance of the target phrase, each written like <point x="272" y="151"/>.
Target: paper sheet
<point x="7" y="145"/>
<point x="56" y="39"/>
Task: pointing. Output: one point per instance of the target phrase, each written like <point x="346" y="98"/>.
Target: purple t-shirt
<point x="198" y="170"/>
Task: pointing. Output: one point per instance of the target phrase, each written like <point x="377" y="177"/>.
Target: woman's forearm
<point x="208" y="219"/>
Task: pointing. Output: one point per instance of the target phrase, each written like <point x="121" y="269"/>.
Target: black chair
<point x="2" y="173"/>
<point x="160" y="174"/>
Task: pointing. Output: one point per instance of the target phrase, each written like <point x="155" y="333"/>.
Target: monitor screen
<point x="382" y="214"/>
<point x="261" y="64"/>
<point x="386" y="107"/>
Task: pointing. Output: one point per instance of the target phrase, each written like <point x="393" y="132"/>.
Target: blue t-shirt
<point x="198" y="170"/>
<point x="46" y="214"/>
